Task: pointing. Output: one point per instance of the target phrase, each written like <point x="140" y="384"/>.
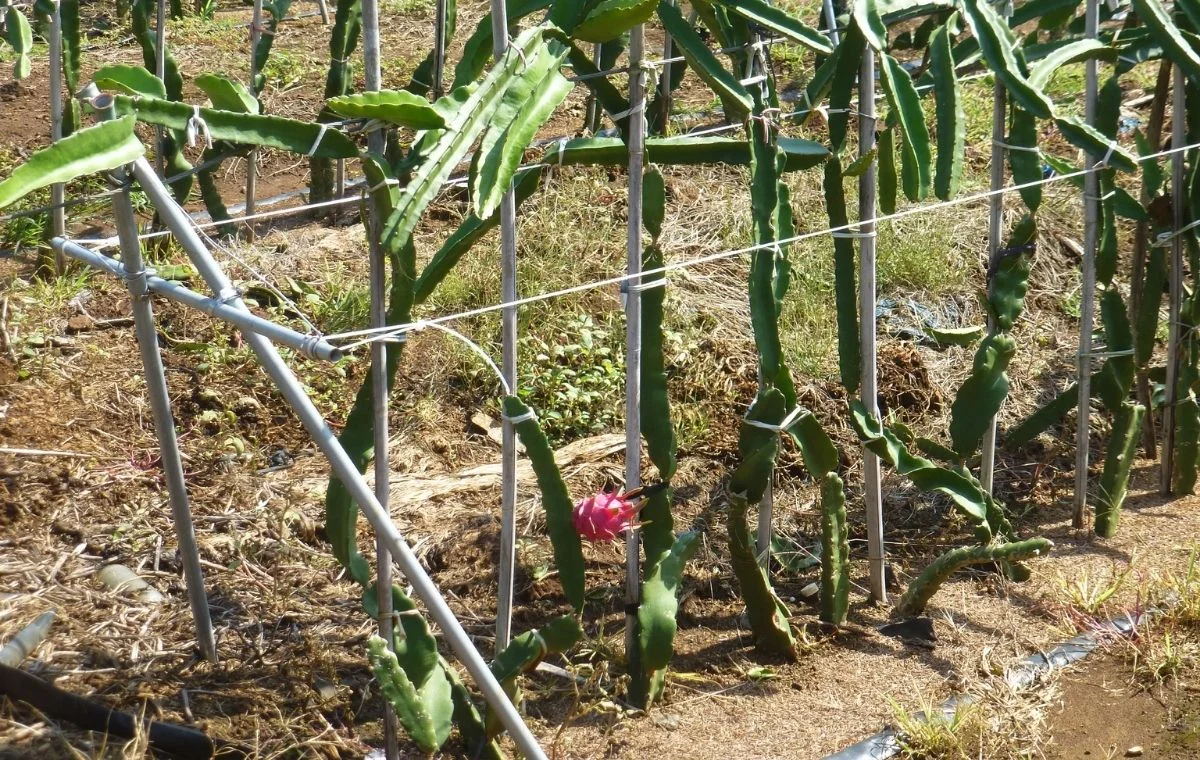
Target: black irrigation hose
<point x="886" y="743"/>
<point x="166" y="738"/>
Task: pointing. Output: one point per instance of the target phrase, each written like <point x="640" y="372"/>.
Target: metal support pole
<point x="872" y="491"/>
<point x="508" y="456"/>
<point x="831" y="19"/>
<point x="439" y="45"/>
<point x="1087" y="297"/>
<point x="58" y="195"/>
<point x="160" y="70"/>
<point x="1178" y="201"/>
<point x="312" y="347"/>
<point x="373" y="75"/>
<point x="252" y="156"/>
<point x="164" y="424"/>
<point x="633" y="329"/>
<point x="343" y="468"/>
<point x="323" y="9"/>
<point x="987" y="464"/>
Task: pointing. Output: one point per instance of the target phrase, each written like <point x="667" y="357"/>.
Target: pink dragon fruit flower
<point x="606" y="515"/>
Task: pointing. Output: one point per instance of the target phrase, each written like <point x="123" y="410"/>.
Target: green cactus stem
<point x="921" y="590"/>
<point x="758" y="448"/>
<point x="1114" y="481"/>
<point x="835" y="552"/>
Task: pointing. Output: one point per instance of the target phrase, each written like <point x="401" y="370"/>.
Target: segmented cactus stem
<point x="921" y="590"/>
<point x="835" y="552"/>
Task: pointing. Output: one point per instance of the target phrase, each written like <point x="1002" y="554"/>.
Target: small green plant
<point x="574" y="377"/>
<point x="938" y="734"/>
<point x="1090" y="593"/>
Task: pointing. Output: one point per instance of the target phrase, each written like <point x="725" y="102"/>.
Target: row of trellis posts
<point x="388" y="541"/>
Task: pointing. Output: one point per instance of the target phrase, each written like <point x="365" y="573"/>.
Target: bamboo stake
<point x="439" y="47"/>
<point x="58" y="195"/>
<point x="987" y="465"/>
<point x="633" y="332"/>
<point x="1091" y="238"/>
<point x="252" y="157"/>
<point x="1178" y="199"/>
<point x="164" y="424"/>
<point x="379" y="374"/>
<point x="872" y="492"/>
<point x="508" y="441"/>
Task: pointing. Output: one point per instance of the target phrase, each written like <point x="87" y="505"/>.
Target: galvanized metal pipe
<point x="872" y="490"/>
<point x="343" y="468"/>
<point x="314" y="347"/>
<point x="1087" y="297"/>
<point x="135" y="278"/>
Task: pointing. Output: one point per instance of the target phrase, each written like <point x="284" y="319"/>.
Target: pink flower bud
<point x="604" y="516"/>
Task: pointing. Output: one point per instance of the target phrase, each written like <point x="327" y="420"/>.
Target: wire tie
<point x="323" y="128"/>
<point x="1164" y="238"/>
<point x="308" y="346"/>
<point x="639" y="108"/>
<point x="228" y="295"/>
<point x="1104" y="354"/>
<point x="638" y="287"/>
<point x="1103" y="163"/>
<point x="528" y="415"/>
<point x="1101" y="198"/>
<point x="853" y="234"/>
<point x="1007" y="146"/>
<point x="783" y="425"/>
<point x="197" y="126"/>
<point x="383" y="183"/>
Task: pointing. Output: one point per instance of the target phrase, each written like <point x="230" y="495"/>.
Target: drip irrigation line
<point x="372" y="334"/>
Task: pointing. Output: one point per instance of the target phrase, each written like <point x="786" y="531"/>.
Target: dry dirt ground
<point x="293" y="681"/>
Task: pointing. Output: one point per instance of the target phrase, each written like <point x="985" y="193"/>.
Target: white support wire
<point x="452" y="181"/>
<point x="368" y="335"/>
